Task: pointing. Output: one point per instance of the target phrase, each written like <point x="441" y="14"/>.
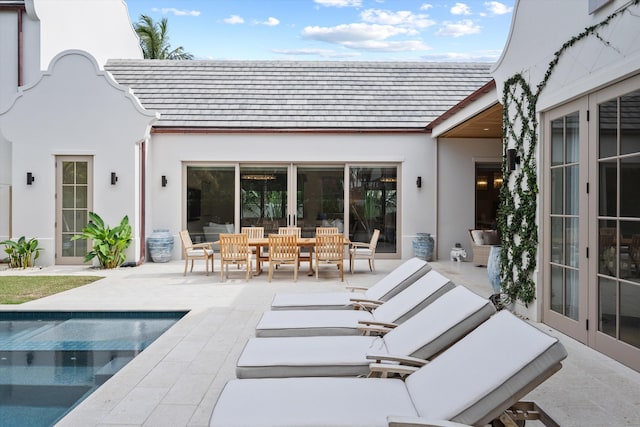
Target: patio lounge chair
<point x="472" y="382"/>
<point x="426" y="334"/>
<point x="394" y="282"/>
<point x="192" y="252"/>
<point x="283" y="323"/>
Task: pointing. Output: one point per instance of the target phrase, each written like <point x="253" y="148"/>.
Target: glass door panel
<point x="210" y="202"/>
<point x="373" y="204"/>
<point x="263" y="197"/>
<point x="73" y="203"/>
<point x="319" y="198"/>
<point x="564" y="214"/>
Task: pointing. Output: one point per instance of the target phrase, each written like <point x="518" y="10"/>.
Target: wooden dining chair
<point x="361" y="250"/>
<point x="326" y="230"/>
<point x="290" y="230"/>
<point x="234" y="250"/>
<point x="192" y="252"/>
<point x="254" y="233"/>
<point x="330" y="250"/>
<point x="283" y="249"/>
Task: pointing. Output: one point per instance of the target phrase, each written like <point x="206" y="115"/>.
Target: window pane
<point x="68" y="220"/>
<point x="607" y="306"/>
<point x="557" y="286"/>
<point x="82" y="218"/>
<point x="320" y="198"/>
<point x="607" y="248"/>
<point x="68" y="197"/>
<point x="630" y="187"/>
<point x="68" y="172"/>
<point x="571" y="241"/>
<point x="81" y="172"/>
<point x="67" y="245"/>
<point x="557" y="191"/>
<point x="608" y="128"/>
<point x="572" y="292"/>
<point x="210" y="202"/>
<point x="81" y="196"/>
<point x="571" y="190"/>
<point x="630" y="314"/>
<point x="630" y="250"/>
<point x="557" y="239"/>
<point x="373" y="195"/>
<point x="608" y="188"/>
<point x="630" y="123"/>
<point x="263" y="198"/>
<point x="573" y="138"/>
<point x="557" y="142"/>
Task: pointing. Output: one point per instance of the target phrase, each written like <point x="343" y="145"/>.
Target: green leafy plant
<point x="22" y="253"/>
<point x="108" y="243"/>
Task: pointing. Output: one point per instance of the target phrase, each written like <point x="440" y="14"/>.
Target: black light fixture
<point x="419" y="182"/>
<point x="512" y="158"/>
<point x="164" y="180"/>
<point x="30" y="178"/>
<point x="114" y="178"/>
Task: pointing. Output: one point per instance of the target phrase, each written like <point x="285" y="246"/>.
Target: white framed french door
<point x="566" y="221"/>
<point x="74" y="201"/>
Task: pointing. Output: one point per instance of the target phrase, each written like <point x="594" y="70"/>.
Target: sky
<point x="353" y="30"/>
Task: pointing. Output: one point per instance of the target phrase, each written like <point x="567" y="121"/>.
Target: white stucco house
<point x="211" y="146"/>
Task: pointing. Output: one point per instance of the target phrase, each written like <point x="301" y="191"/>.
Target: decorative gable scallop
<point x="75" y="102"/>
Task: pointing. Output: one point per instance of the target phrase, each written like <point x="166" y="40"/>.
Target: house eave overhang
<point x="236" y="130"/>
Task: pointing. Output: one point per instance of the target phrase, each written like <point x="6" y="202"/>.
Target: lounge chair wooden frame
<point x="234" y="250"/>
<point x="283" y="249"/>
<point x="192" y="252"/>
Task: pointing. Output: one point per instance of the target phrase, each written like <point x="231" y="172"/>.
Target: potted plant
<point x="108" y="243"/>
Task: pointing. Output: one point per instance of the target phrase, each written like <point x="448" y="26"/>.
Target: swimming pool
<point x="51" y="361"/>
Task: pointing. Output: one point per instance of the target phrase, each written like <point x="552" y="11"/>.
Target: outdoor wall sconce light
<point x="512" y="159"/>
<point x="30" y="178"/>
<point x="164" y="180"/>
<point x="114" y="178"/>
<point x="419" y="182"/>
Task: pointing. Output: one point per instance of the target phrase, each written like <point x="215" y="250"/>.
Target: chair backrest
<point x="185" y="238"/>
<point x="290" y="230"/>
<point x="398" y="279"/>
<point x="253" y="232"/>
<point x="283" y="247"/>
<point x="413" y="298"/>
<point x="234" y="247"/>
<point x="326" y="230"/>
<point x="329" y="247"/>
<point x="442" y="323"/>
<point x="485" y="372"/>
<point x="374" y="239"/>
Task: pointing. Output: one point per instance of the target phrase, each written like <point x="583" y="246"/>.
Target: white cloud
<point x="497" y="8"/>
<point x="461" y="9"/>
<point x="389" y="46"/>
<point x="234" y="19"/>
<point x="324" y="53"/>
<point x="473" y="56"/>
<point x="426" y="6"/>
<point x="176" y="12"/>
<point x="348" y="33"/>
<point x="339" y="3"/>
<point x="458" y="29"/>
<point x="402" y="17"/>
<point x="271" y="22"/>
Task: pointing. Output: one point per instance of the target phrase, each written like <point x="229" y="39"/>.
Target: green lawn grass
<point x="19" y="289"/>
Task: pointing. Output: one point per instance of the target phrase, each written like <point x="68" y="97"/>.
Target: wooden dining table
<point x="303" y="242"/>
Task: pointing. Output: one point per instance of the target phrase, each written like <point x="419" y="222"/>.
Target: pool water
<point x="51" y="361"/>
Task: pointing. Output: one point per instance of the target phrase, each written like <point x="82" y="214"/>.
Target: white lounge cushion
<point x="483" y="369"/>
<point x="394" y="282"/>
<point x="430" y="331"/>
<point x="471" y="382"/>
<point x="424" y="291"/>
<point x="306" y="402"/>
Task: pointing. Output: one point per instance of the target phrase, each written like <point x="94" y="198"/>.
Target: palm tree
<point x="155" y="41"/>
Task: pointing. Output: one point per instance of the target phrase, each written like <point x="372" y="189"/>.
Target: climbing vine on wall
<point x="518" y="197"/>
